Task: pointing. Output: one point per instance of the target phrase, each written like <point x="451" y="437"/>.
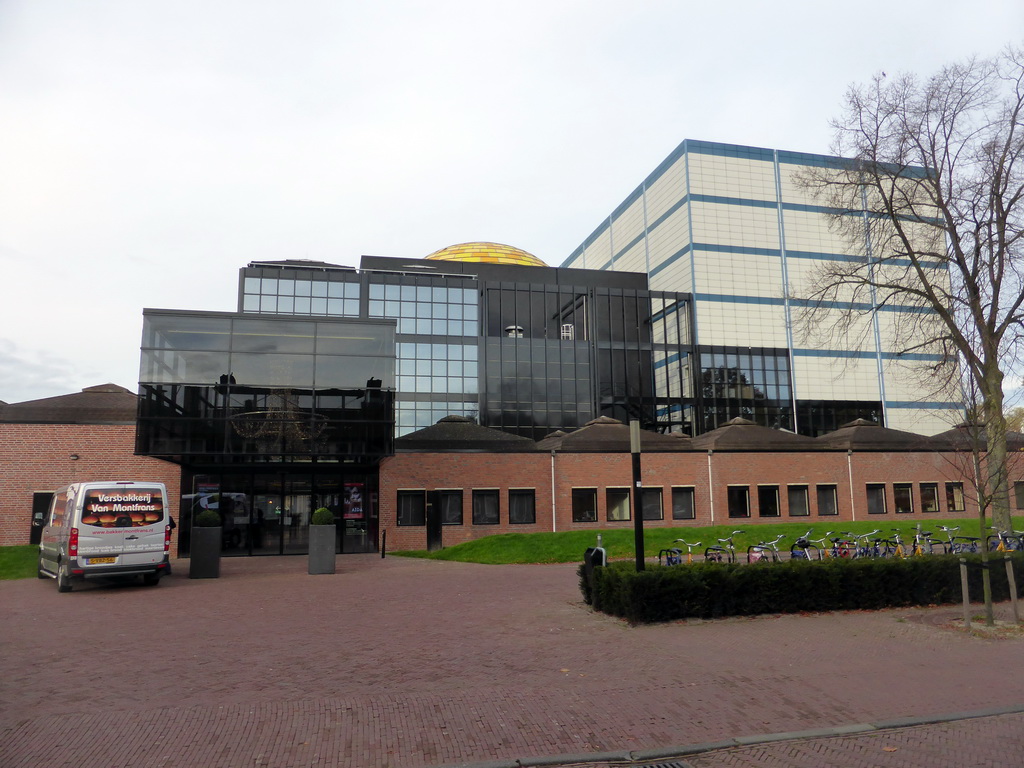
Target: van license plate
<point x="101" y="560"/>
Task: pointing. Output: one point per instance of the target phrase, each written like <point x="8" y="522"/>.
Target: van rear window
<point x="123" y="507"/>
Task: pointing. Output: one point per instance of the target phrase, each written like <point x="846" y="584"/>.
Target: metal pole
<point x="1013" y="587"/>
<point x="965" y="592"/>
<point x="638" y="513"/>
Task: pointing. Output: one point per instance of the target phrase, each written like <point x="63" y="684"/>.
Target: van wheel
<point x="63" y="577"/>
<point x="150" y="579"/>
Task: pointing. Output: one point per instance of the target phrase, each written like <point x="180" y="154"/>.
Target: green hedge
<point x="711" y="590"/>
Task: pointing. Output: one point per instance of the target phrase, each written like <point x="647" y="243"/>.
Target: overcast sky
<point x="148" y="150"/>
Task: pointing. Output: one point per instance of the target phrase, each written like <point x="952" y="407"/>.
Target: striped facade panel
<point x="628" y="231"/>
<point x="733" y="224"/>
<point x="837" y="377"/>
<point x="740" y="323"/>
<point x="738" y="274"/>
<point x="665" y="191"/>
<point x="811" y="232"/>
<point x="675" y="272"/>
<point x="922" y="420"/>
<point x="732" y="177"/>
<point x="634" y="259"/>
<point x="598" y="254"/>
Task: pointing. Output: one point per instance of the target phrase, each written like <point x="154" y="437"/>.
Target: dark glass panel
<point x="260" y="370"/>
<point x="270" y="336"/>
<point x="186" y="332"/>
<point x="182" y="366"/>
<point x="353" y="371"/>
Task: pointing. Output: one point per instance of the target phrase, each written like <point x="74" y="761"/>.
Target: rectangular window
<point x="739" y="501"/>
<point x="617" y="503"/>
<point x="412" y="508"/>
<point x="876" y="498"/>
<point x="798" y="506"/>
<point x="682" y="504"/>
<point x="903" y="497"/>
<point x="522" y="506"/>
<point x="485" y="507"/>
<point x="929" y="497"/>
<point x="1018" y="494"/>
<point x="768" y="500"/>
<point x="650" y="502"/>
<point x="584" y="505"/>
<point x="451" y="507"/>
<point x="827" y="503"/>
<point x="955" y="497"/>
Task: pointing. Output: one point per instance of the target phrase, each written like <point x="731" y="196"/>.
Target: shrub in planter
<point x="204" y="554"/>
<point x="322" y="538"/>
<point x="323" y="516"/>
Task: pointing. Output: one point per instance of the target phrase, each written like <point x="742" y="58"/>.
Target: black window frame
<point x="833" y="495"/>
<point x="620" y="493"/>
<point x="480" y="507"/>
<point x="646" y="508"/>
<point x="802" y="489"/>
<point x="898" y="489"/>
<point x="419" y="518"/>
<point x="732" y="495"/>
<point x="580" y="495"/>
<point x="954" y="489"/>
<point x="929" y="490"/>
<point x="769" y="493"/>
<point x="872" y="492"/>
<point x="450" y="493"/>
<point x="684" y="492"/>
<point x="513" y="513"/>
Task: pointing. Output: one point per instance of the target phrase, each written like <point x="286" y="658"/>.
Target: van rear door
<point x="122" y="524"/>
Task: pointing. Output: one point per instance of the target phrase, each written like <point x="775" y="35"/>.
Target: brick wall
<point x="36" y="458"/>
<point x="601" y="471"/>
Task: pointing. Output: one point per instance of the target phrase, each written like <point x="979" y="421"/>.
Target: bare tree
<point x="932" y="181"/>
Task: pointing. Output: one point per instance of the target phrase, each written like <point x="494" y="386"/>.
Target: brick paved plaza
<point x="401" y="662"/>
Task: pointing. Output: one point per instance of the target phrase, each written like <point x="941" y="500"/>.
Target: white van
<point x="106" y="529"/>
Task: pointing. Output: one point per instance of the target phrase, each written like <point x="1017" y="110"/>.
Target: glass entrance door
<point x="268" y="513"/>
<point x="281" y="509"/>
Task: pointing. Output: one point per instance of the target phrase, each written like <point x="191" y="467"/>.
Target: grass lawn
<point x="18" y="562"/>
<point x="569" y="546"/>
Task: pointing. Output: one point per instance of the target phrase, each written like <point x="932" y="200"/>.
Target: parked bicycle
<point x="1006" y="541"/>
<point x="674" y="555"/>
<point x="924" y="544"/>
<point x="893" y="546"/>
<point x="958" y="544"/>
<point x="863" y="545"/>
<point x="765" y="551"/>
<point x="804" y="549"/>
<point x="723" y="552"/>
<point x="822" y="547"/>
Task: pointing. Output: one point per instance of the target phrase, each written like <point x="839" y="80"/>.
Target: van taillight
<point x="167" y="539"/>
<point x="73" y="543"/>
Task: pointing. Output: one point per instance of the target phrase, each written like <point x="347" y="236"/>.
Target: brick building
<point x="48" y="443"/>
<point x="458" y="481"/>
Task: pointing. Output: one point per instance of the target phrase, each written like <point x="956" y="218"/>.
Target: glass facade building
<point x="291" y="402"/>
<point x="525" y="349"/>
<point x="733" y="227"/>
<point x="271" y="418"/>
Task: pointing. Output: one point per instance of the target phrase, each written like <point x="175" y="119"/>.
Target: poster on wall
<point x="353" y="504"/>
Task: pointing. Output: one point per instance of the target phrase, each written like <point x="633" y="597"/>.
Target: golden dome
<point x="487" y="253"/>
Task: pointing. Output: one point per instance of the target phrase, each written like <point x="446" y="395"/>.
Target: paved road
<point x="400" y="662"/>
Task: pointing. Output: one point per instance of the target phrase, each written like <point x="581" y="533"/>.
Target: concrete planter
<point x="204" y="553"/>
<point x="322" y="548"/>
